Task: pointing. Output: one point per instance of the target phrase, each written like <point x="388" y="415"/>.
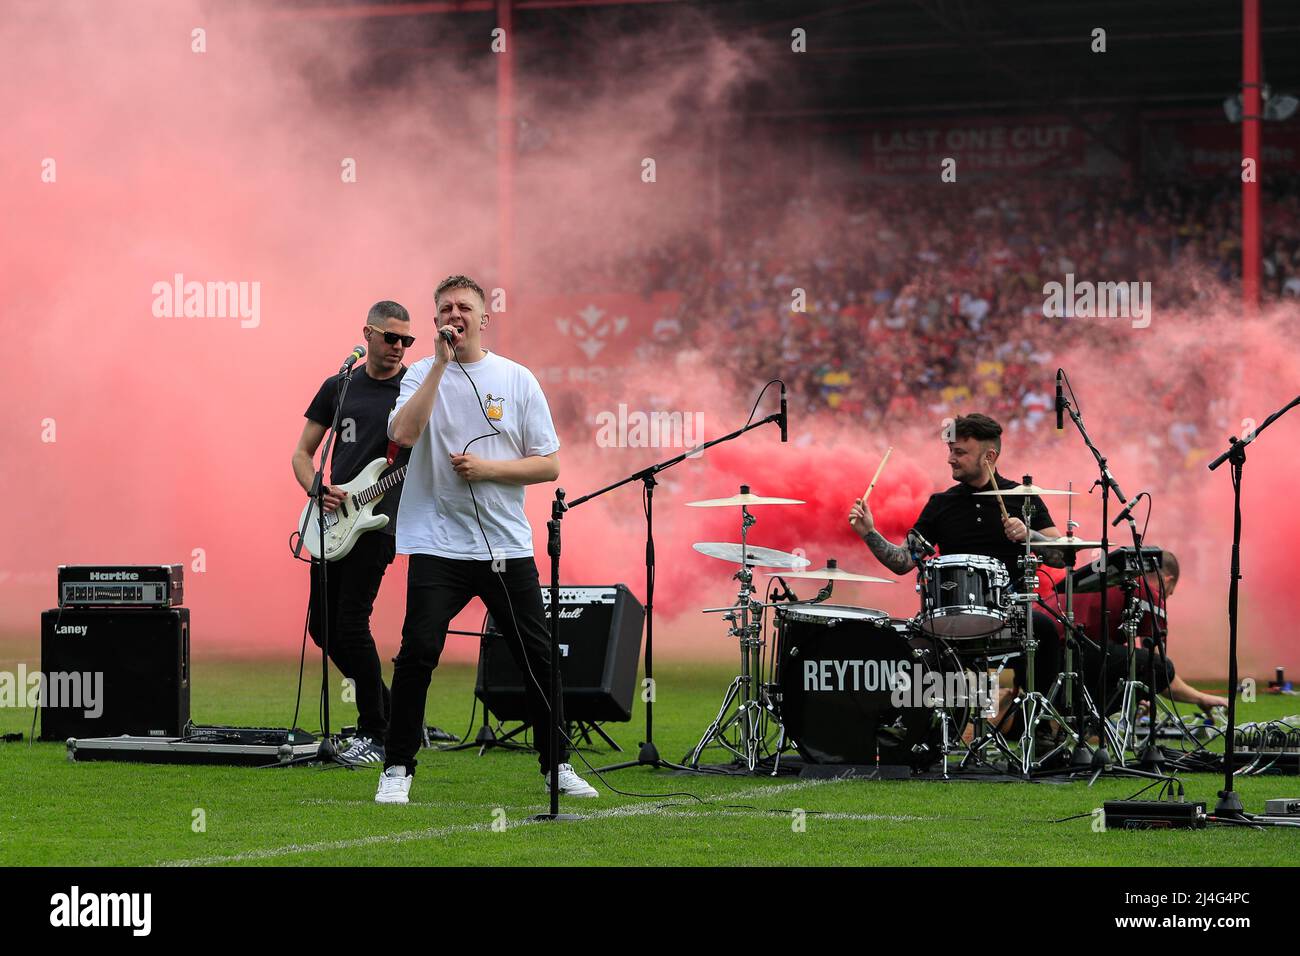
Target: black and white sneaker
<point x="362" y="751"/>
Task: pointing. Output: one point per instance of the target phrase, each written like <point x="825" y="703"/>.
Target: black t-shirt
<point x="958" y="522"/>
<point x="365" y="422"/>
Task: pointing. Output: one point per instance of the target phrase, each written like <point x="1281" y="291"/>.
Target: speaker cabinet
<point x="114" y="671"/>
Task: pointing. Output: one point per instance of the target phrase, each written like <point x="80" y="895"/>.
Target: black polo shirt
<point x="958" y="522"/>
<point x="363" y="430"/>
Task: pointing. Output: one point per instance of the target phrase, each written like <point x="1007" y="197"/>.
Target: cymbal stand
<point x="1035" y="706"/>
<point x="747" y="716"/>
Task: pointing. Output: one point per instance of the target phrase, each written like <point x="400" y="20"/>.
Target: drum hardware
<point x="744" y="707"/>
<point x="1034" y="706"/>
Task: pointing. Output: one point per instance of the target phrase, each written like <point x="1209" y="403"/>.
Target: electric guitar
<point x="355" y="514"/>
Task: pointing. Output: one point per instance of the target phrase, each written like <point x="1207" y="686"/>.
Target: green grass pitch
<point x="55" y="812"/>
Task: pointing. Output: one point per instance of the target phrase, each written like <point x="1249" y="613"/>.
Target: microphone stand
<point x="648" y="754"/>
<point x="1229" y="804"/>
<point x="1101" y="758"/>
<point x="326" y="752"/>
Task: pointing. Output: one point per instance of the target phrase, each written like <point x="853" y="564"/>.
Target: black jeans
<point x="437" y="589"/>
<point x="352" y="583"/>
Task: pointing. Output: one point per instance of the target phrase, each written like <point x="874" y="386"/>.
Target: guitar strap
<point x="393" y="449"/>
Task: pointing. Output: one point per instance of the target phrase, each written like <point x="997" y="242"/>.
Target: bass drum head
<point x="837" y="685"/>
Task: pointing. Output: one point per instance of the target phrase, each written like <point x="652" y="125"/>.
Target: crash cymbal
<point x="1027" y="490"/>
<point x="755" y="557"/>
<point x="1068" y="542"/>
<point x="744" y="498"/>
<point x="830" y="573"/>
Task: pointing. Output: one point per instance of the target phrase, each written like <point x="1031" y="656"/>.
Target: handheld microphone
<point x="449" y="336"/>
<point x="1128" y="507"/>
<point x="785" y="416"/>
<point x="357" y="353"/>
<point x="1060" y="401"/>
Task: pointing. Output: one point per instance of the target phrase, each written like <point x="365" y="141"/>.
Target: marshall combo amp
<point x="121" y="585"/>
<point x="113" y="671"/>
<point x="600" y="644"/>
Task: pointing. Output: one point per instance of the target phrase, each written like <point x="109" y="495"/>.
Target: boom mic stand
<point x="1229" y="805"/>
<point x="1101" y="756"/>
<point x="648" y="754"/>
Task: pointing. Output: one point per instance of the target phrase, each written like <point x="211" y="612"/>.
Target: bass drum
<point x="850" y="681"/>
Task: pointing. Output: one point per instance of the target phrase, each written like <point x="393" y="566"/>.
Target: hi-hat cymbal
<point x="1027" y="490"/>
<point x="831" y="573"/>
<point x="1067" y="542"/>
<point x="744" y="498"/>
<point x="755" y="557"/>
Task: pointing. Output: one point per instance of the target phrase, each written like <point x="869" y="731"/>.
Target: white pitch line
<point x="628" y="810"/>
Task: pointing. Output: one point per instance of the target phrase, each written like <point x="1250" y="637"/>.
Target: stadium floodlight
<point x="1280" y="107"/>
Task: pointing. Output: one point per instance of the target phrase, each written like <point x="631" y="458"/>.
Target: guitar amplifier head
<point x="600" y="647"/>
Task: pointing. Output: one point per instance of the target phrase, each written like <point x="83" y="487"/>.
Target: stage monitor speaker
<point x="114" y="671"/>
<point x="600" y="644"/>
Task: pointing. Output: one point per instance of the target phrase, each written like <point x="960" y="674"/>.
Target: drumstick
<point x="877" y="474"/>
<point x="993" y="481"/>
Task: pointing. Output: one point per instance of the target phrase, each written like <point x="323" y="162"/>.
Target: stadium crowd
<point x="925" y="302"/>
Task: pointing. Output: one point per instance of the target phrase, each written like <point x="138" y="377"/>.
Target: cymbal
<point x="1027" y="490"/>
<point x="830" y="573"/>
<point x="755" y="556"/>
<point x="744" y="498"/>
<point x="1066" y="542"/>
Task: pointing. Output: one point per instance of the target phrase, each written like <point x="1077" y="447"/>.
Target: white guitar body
<point x="354" y="517"/>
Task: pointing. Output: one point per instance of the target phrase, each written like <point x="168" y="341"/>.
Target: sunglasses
<point x="392" y="338"/>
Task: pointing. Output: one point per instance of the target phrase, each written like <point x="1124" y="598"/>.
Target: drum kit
<point x="856" y="686"/>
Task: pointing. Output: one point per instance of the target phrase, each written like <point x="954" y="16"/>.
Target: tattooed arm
<point x="893" y="556"/>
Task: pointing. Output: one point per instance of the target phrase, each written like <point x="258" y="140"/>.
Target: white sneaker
<point x="571" y="785"/>
<point x="394" y="785"/>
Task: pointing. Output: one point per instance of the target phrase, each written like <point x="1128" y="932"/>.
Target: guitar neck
<point x="386" y="483"/>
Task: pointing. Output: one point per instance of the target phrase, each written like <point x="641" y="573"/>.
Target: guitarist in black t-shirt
<point x="353" y="580"/>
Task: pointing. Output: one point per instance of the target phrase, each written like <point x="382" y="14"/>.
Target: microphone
<point x="1060" y="401"/>
<point x="925" y="550"/>
<point x="785" y="416"/>
<point x="449" y="336"/>
<point x="358" y="352"/>
<point x="1128" y="507"/>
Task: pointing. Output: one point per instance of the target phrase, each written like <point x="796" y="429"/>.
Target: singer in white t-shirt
<point x="479" y="430"/>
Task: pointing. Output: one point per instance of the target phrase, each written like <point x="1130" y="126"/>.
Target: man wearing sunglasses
<point x="353" y="581"/>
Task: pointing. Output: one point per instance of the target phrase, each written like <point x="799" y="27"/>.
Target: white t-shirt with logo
<point x="436" y="515"/>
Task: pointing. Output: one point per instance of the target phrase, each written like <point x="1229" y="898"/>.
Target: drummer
<point x="957" y="522"/>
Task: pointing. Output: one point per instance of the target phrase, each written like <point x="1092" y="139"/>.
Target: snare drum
<point x="963" y="596"/>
